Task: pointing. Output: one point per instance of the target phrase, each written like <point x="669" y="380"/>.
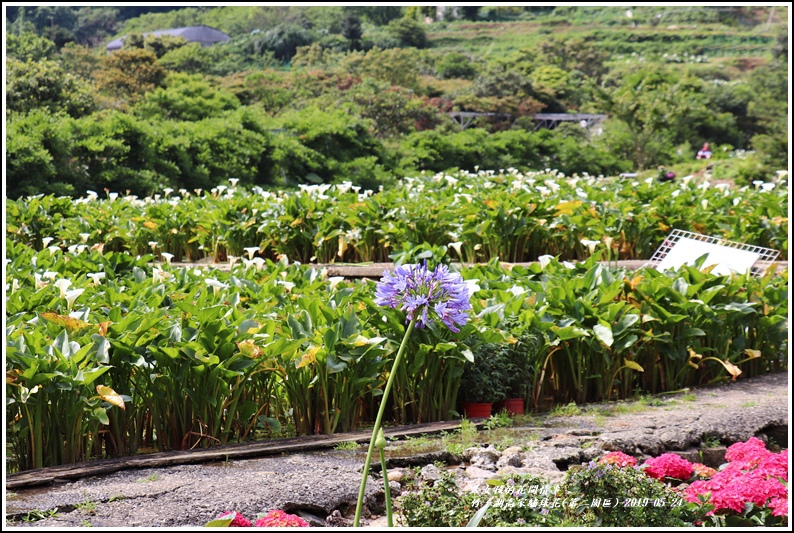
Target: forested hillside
<point x="363" y="94"/>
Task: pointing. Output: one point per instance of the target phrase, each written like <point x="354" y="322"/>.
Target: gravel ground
<point x="319" y="483"/>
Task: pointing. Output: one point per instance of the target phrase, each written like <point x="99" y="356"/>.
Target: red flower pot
<point x="514" y="406"/>
<point x="477" y="410"/>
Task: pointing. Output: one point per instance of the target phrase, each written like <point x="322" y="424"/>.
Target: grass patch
<point x="750" y="404"/>
<point x="347" y="446"/>
<point x="88" y="506"/>
<point x="35" y="516"/>
<point x="689" y="397"/>
<point x="570" y="409"/>
<point x="152" y="477"/>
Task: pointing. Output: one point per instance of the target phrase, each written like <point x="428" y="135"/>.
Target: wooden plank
<point x="375" y="270"/>
<point x="46" y="476"/>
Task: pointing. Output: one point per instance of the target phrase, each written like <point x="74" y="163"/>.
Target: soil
<point x="324" y="484"/>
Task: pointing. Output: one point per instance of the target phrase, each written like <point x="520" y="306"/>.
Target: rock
<point x="693" y="456"/>
<point x="513" y="458"/>
<point x="540" y="461"/>
<point x="312" y="519"/>
<point x="474" y="472"/>
<point x="395" y="488"/>
<point x="592" y="453"/>
<point x="335" y="519"/>
<point x="673" y="439"/>
<point x="553" y="477"/>
<point x="632" y="442"/>
<point x="486" y="458"/>
<point x="713" y="457"/>
<point x="473" y="485"/>
<point x="398" y="474"/>
<point x="430" y="473"/>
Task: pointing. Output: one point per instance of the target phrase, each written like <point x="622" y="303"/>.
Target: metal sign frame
<point x="766" y="256"/>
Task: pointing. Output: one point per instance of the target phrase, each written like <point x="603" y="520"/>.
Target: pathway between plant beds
<point x="320" y="484"/>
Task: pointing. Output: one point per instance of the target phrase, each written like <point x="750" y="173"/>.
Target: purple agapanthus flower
<point x="425" y="295"/>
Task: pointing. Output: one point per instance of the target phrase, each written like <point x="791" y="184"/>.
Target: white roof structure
<point x="205" y="35"/>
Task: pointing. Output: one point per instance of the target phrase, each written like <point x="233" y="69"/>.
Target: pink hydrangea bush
<point x="279" y="518"/>
<point x="753" y="474"/>
<point x="618" y="459"/>
<point x="668" y="465"/>
<point x="276" y="518"/>
<point x="238" y="520"/>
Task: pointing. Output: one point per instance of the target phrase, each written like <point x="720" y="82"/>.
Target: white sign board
<point x="728" y="260"/>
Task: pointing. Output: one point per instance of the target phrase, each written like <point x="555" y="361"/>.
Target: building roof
<point x="205" y="35"/>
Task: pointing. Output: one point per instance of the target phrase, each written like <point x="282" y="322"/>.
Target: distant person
<point x="664" y="175"/>
<point x="705" y="152"/>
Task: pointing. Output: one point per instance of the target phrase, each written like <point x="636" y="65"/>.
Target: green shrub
<point x="627" y="497"/>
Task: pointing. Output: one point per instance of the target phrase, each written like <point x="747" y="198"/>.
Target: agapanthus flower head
<point x="425" y="294"/>
<point x="237" y="521"/>
<point x="668" y="465"/>
<point x="278" y="518"/>
<point x="618" y="459"/>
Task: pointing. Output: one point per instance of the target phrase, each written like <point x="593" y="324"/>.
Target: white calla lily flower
<point x="62" y="285"/>
<point x="590" y="244"/>
<point x="215" y="284"/>
<point x="96" y="276"/>
<point x="71" y="296"/>
<point x="167" y="257"/>
<point x="544" y="260"/>
<point x="251" y="250"/>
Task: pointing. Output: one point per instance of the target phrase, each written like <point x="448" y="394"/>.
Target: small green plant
<point x="750" y="404"/>
<point x="86" y="523"/>
<point x="147" y="479"/>
<point x="710" y="441"/>
<point x="499" y="420"/>
<point x="600" y="420"/>
<point x="36" y="515"/>
<point x="570" y="409"/>
<point x="689" y="397"/>
<point x="88" y="506"/>
<point x="347" y="446"/>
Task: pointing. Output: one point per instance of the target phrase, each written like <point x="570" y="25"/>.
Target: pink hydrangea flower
<point x="618" y="459"/>
<point x="279" y="518"/>
<point x="668" y="465"/>
<point x="238" y="520"/>
<point x="702" y="471"/>
<point x="752" y="475"/>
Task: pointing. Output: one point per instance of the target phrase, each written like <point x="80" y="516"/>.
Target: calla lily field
<point x="112" y="349"/>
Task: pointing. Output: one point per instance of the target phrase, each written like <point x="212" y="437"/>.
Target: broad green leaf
<point x="102" y="415"/>
<point x="569" y="332"/>
<point x="604" y="334"/>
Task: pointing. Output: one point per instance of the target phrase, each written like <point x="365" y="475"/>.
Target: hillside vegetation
<point x="363" y="94"/>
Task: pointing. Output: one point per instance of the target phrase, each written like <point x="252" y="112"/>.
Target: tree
<point x="408" y="32"/>
<point x="46" y="85"/>
<point x="186" y="97"/>
<point x="350" y="27"/>
<point x="29" y="46"/>
<point x="381" y="15"/>
<point x="283" y="41"/>
<point x="126" y="75"/>
<point x="95" y="24"/>
<point x="80" y="60"/>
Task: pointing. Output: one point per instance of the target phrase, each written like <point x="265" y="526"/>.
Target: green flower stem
<point x="386" y="488"/>
<point x="378" y="420"/>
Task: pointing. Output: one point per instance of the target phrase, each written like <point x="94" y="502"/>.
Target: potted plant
<point x="517" y="359"/>
<point x="483" y="382"/>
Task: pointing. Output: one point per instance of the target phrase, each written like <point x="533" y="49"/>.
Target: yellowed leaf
<point x="634" y="366"/>
<point x="249" y="348"/>
<point x="67" y="322"/>
<point x="754" y="354"/>
<point x="150" y="225"/>
<point x="110" y="396"/>
<point x="567" y="208"/>
<point x="309" y="357"/>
